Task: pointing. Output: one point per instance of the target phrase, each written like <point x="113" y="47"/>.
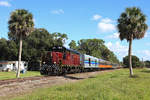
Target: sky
<point x="82" y="19"/>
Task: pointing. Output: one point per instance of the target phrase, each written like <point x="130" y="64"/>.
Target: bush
<point x="147" y="63"/>
<point x="135" y="62"/>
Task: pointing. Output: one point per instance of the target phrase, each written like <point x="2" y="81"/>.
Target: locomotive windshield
<point x="58" y="49"/>
<point x="63" y="49"/>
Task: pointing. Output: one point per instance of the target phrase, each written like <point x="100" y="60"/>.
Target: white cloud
<point x="58" y="12"/>
<point x="106" y="25"/>
<point x="145" y="54"/>
<point x="107" y="20"/>
<point x="96" y="17"/>
<point x="120" y="50"/>
<point x="5" y="3"/>
<point x="113" y="36"/>
<point x="147" y="34"/>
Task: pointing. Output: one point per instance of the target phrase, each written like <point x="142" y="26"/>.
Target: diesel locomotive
<point x="61" y="60"/>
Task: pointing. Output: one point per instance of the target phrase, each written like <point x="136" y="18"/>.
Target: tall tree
<point x="20" y="25"/>
<point x="91" y="46"/>
<point x="4" y="49"/>
<point x="73" y="45"/>
<point x="39" y="41"/>
<point x="131" y="25"/>
<point x="59" y="38"/>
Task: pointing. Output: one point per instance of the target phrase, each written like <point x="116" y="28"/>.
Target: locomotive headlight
<point x="54" y="62"/>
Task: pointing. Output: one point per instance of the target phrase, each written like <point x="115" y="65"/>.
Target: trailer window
<point x="25" y="64"/>
<point x="13" y="64"/>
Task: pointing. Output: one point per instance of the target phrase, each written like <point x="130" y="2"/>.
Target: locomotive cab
<point x="54" y="56"/>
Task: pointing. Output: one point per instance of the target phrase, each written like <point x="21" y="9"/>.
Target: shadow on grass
<point x="91" y="77"/>
<point x="145" y="71"/>
<point x="135" y="76"/>
<point x="73" y="78"/>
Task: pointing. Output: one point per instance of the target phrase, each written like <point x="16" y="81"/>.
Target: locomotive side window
<point x="89" y="61"/>
<point x="64" y="56"/>
<point x="71" y="56"/>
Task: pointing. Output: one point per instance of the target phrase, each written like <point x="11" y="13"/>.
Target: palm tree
<point x="20" y="25"/>
<point x="132" y="25"/>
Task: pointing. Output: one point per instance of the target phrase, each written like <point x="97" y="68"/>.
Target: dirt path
<point x="15" y="87"/>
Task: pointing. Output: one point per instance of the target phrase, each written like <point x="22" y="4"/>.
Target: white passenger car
<point x="90" y="62"/>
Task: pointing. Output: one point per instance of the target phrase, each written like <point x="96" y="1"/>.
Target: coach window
<point x="89" y="61"/>
<point x="1" y="65"/>
<point x="98" y="62"/>
<point x="95" y="62"/>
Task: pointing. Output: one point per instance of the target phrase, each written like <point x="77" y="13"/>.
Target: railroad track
<point x="9" y="81"/>
<point x="10" y="87"/>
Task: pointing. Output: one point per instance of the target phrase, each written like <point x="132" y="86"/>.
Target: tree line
<point x="40" y="41"/>
<point x="136" y="62"/>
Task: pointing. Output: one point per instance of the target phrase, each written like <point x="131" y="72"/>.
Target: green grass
<point x="115" y="85"/>
<point x="12" y="75"/>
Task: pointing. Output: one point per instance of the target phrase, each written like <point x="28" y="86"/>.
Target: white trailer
<point x="12" y="65"/>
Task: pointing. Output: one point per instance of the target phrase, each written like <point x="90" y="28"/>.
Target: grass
<point x="115" y="85"/>
<point x="12" y="75"/>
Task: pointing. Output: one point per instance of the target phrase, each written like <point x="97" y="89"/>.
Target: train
<point x="61" y="60"/>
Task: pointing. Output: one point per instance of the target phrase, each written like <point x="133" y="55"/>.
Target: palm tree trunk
<point x="19" y="57"/>
<point x="130" y="57"/>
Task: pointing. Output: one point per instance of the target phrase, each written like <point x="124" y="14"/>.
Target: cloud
<point x="147" y="34"/>
<point x="106" y="25"/>
<point x="106" y="20"/>
<point x="58" y="12"/>
<point x="120" y="50"/>
<point x="113" y="36"/>
<point x="5" y="3"/>
<point x="96" y="17"/>
<point x="145" y="54"/>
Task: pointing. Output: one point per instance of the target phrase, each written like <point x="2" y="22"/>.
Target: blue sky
<point x="82" y="19"/>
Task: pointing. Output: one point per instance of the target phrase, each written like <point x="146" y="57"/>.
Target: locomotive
<point x="61" y="60"/>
